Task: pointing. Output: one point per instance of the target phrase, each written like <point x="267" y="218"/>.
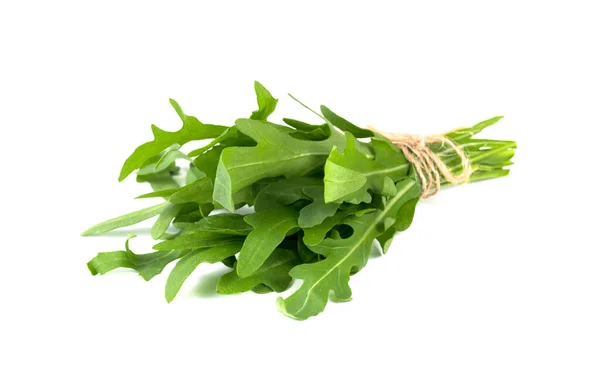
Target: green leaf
<point x="304" y="127"/>
<point x="190" y="213"/>
<point x="166" y="193"/>
<point x="385" y="239"/>
<point x="262" y="289"/>
<point x="316" y="135"/>
<point x="270" y="228"/>
<point x="207" y="162"/>
<point x="349" y="175"/>
<point x="193" y="174"/>
<point x="304" y="252"/>
<point x="316" y="212"/>
<point x="405" y="215"/>
<point x="274" y="273"/>
<point x="166" y="216"/>
<point x="227" y="224"/>
<point x="403" y="220"/>
<point x="285" y="191"/>
<point x="342" y="256"/>
<point x="308" y="131"/>
<point x="229" y="261"/>
<point x="197" y="240"/>
<point x="316" y="234"/>
<point x="276" y="154"/>
<point x="199" y="191"/>
<point x="147" y="265"/>
<point x="125" y="220"/>
<point x="462" y="134"/>
<point x="266" y="103"/>
<point x="188" y="264"/>
<point x="171" y="154"/>
<point x="213" y="143"/>
<point x="345" y="125"/>
<point x="231" y="137"/>
<point x="192" y="129"/>
<point x="159" y="179"/>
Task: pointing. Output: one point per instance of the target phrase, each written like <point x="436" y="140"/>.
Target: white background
<point x="495" y="280"/>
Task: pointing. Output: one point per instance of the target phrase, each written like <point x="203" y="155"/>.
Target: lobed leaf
<point x="270" y="228"/>
<point x="166" y="216"/>
<point x="147" y="265"/>
<point x="192" y="129"/>
<point x="273" y="273"/>
<point x="342" y="257"/>
<point x="125" y="220"/>
<point x="227" y="224"/>
<point x="266" y="102"/>
<point x="188" y="264"/>
<point x="316" y="212"/>
<point x="350" y="175"/>
<point x="343" y="124"/>
<point x="276" y="154"/>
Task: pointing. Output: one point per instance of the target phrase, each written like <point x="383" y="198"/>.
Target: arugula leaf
<point x="308" y="131"/>
<point x="228" y="224"/>
<point x="232" y="136"/>
<point x="315" y="235"/>
<point x="261" y="289"/>
<point x="192" y="129"/>
<point x="405" y="215"/>
<point x="191" y="213"/>
<point x="199" y="191"/>
<point x="304" y="252"/>
<point x="342" y="256"/>
<point x="403" y="220"/>
<point x="197" y="240"/>
<point x="344" y="124"/>
<point x="284" y="192"/>
<point x="276" y="154"/>
<point x="188" y="264"/>
<point x="147" y="265"/>
<point x="462" y="134"/>
<point x="349" y="175"/>
<point x="168" y="158"/>
<point x="125" y="220"/>
<point x="385" y="239"/>
<point x="270" y="228"/>
<point x="316" y="212"/>
<point x="207" y="162"/>
<point x="159" y="179"/>
<point x="266" y="102"/>
<point x="305" y="127"/>
<point x="274" y="273"/>
<point x="166" y="216"/>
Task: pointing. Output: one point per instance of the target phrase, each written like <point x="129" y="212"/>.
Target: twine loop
<point x="429" y="166"/>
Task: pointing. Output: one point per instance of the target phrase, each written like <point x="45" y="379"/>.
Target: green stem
<point x="488" y="158"/>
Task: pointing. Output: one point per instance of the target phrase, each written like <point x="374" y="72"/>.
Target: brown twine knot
<point x="427" y="164"/>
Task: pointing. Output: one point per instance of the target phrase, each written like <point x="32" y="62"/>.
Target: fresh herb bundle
<point x="321" y="195"/>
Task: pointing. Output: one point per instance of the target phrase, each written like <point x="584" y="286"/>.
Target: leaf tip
<point x="177" y="108"/>
<point x="242" y="270"/>
<point x="124" y="172"/>
<point x="280" y="302"/>
<point x="92" y="268"/>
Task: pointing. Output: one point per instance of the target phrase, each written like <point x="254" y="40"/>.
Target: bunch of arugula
<point x="321" y="195"/>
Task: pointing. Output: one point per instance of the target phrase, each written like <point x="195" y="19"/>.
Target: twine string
<point x="429" y="166"/>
